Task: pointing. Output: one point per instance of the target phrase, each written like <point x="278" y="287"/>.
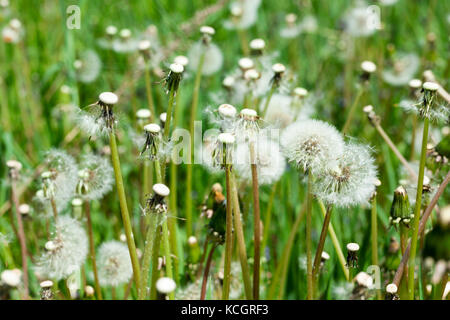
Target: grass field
<point x="78" y="201"/>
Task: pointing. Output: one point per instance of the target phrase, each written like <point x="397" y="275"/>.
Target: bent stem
<point x="228" y="237"/>
<point x="240" y="239"/>
<point x="98" y="289"/>
<point x="336" y="243"/>
<point x="206" y="272"/>
<point x="198" y="78"/>
<point x="352" y="110"/>
<point x="417" y="210"/>
<point x="323" y="236"/>
<point x="309" y="269"/>
<point x="256" y="221"/>
<point x="124" y="208"/>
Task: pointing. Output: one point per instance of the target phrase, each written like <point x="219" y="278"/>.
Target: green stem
<point x="320" y="246"/>
<point x="148" y="88"/>
<point x="240" y="239"/>
<point x="155" y="256"/>
<point x="149" y="239"/>
<point x="268" y="216"/>
<point x="166" y="247"/>
<point x="352" y="110"/>
<point x="269" y="97"/>
<point x="374" y="236"/>
<point x="98" y="289"/>
<point x="228" y="237"/>
<point x="124" y="208"/>
<point x="415" y="229"/>
<point x="198" y="78"/>
<point x="309" y="270"/>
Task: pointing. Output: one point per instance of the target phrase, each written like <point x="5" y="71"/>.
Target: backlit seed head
<point x="300" y="92"/>
<point x="368" y="66"/>
<point x="227" y="110"/>
<point x="207" y="30"/>
<point x="161" y="189"/>
<point x="11" y="278"/>
<point x="364" y="280"/>
<point x="278" y="68"/>
<point x="24" y="209"/>
<point x="77" y="202"/>
<point x="391" y="288"/>
<point x="246" y="64"/>
<point x="228" y="82"/>
<point x="144" y="45"/>
<point x="114" y="264"/>
<point x="89" y="291"/>
<point x="163" y="118"/>
<point x="165" y="285"/>
<point x="152" y="128"/>
<point x="108" y="98"/>
<point x="257" y="44"/>
<point x="46" y="284"/>
<point x="143" y="114"/>
<point x="192" y="241"/>
<point x="183" y="60"/>
<point x="125" y="33"/>
<point x="111" y="31"/>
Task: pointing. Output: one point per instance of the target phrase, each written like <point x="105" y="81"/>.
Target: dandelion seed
<point x="114" y="264"/>
<point x="312" y="145"/>
<point x="66" y="252"/>
<point x="350" y="180"/>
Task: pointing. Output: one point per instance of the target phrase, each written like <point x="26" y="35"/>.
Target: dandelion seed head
<point x="88" y="67"/>
<point x="66" y="252"/>
<point x="114" y="263"/>
<point x="350" y="180"/>
<point x="212" y="59"/>
<point x="11" y="278"/>
<point x="96" y="178"/>
<point x="257" y="44"/>
<point x="108" y="98"/>
<point x="415" y="83"/>
<point x="246" y="64"/>
<point x="391" y="288"/>
<point x="161" y="189"/>
<point x="227" y="111"/>
<point x="144" y="45"/>
<point x="143" y="114"/>
<point x="404" y="68"/>
<point x="269" y="160"/>
<point x="359" y="21"/>
<point x="368" y="66"/>
<point x="183" y="60"/>
<point x="152" y="128"/>
<point x="311" y="144"/>
<point x="244" y="14"/>
<point x="111" y="30"/>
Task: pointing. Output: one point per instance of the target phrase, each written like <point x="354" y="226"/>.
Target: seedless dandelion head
<point x="311" y="145"/>
<point x="391" y="288"/>
<point x="114" y="264"/>
<point x="245" y="64"/>
<point x="183" y="60"/>
<point x="368" y="67"/>
<point x="165" y="285"/>
<point x="227" y="111"/>
<point x="66" y="252"/>
<point x="257" y="46"/>
<point x="11" y="278"/>
<point x="415" y="83"/>
<point x="350" y="180"/>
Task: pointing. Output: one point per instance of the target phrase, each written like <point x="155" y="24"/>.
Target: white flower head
<point x="404" y="68"/>
<point x="360" y="21"/>
<point x="351" y="180"/>
<point x="95" y="177"/>
<point x="312" y="145"/>
<point x="269" y="160"/>
<point x="88" y="66"/>
<point x="66" y="252"/>
<point x="213" y="57"/>
<point x="114" y="263"/>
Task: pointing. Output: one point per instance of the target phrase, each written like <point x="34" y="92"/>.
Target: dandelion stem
<point x="155" y="257"/>
<point x="256" y="222"/>
<point x="374" y="236"/>
<point x="352" y="110"/>
<point x="269" y="97"/>
<point x="336" y="243"/>
<point x="124" y="207"/>
<point x="323" y="236"/>
<point x="148" y="248"/>
<point x="195" y="95"/>
<point x="22" y="238"/>
<point x="206" y="272"/>
<point x="148" y="88"/>
<point x="98" y="289"/>
<point x="240" y="239"/>
<point x="228" y="237"/>
<point x="417" y="208"/>
<point x="268" y="216"/>
<point x="166" y="247"/>
<point x="244" y="44"/>
<point x="309" y="269"/>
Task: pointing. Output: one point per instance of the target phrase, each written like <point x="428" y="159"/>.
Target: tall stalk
<point x="198" y="78"/>
<point x="98" y="289"/>
<point x="417" y="208"/>
<point x="206" y="271"/>
<point x="228" y="236"/>
<point x="148" y="89"/>
<point x="124" y="207"/>
<point x="309" y="269"/>
<point x="320" y="246"/>
<point x="148" y="249"/>
<point x="352" y="110"/>
<point x="240" y="239"/>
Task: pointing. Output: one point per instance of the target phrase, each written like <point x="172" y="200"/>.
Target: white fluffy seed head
<point x="161" y="189"/>
<point x="248" y="114"/>
<point x="108" y="98"/>
<point x="12" y="277"/>
<point x="325" y="256"/>
<point x="430" y="86"/>
<point x="226" y="138"/>
<point x="415" y="83"/>
<point x="290" y="18"/>
<point x="207" y="30"/>
<point x="114" y="264"/>
<point x="391" y="288"/>
<point x="143" y="114"/>
<point x="152" y="128"/>
<point x="227" y="110"/>
<point x="300" y="92"/>
<point x="97" y="179"/>
<point x="368" y="66"/>
<point x="89" y="291"/>
<point x="46" y="284"/>
<point x="246" y="63"/>
<point x="212" y="58"/>
<point x="144" y="45"/>
<point x="228" y="82"/>
<point x="444" y="216"/>
<point x="111" y="30"/>
<point x="176" y="68"/>
<point x="312" y="145"/>
<point x="278" y="68"/>
<point x="353" y="247"/>
<point x="368" y="109"/>
<point x="183" y="60"/>
<point x="165" y="285"/>
<point x="257" y="44"/>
